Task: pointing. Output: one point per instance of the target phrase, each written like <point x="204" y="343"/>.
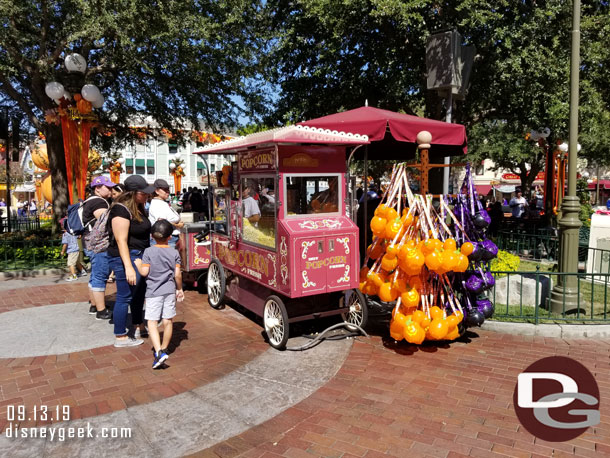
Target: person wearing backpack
<point x="130" y="236"/>
<point x="92" y="209"/>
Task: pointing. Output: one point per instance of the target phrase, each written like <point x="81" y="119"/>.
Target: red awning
<point x="483" y="189"/>
<point x="603" y="184"/>
<point x="374" y="123"/>
<point x="289" y="134"/>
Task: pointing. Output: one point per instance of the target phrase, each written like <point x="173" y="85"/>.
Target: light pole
<point x="564" y="297"/>
<point x="176" y="168"/>
<point x="76" y="117"/>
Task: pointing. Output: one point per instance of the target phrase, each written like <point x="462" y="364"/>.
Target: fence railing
<point x="19" y="223"/>
<point x="543" y="245"/>
<point x="30" y="254"/>
<point x="532" y="246"/>
<point x="526" y="296"/>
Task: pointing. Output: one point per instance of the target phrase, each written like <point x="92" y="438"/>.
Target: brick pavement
<point x="403" y="401"/>
<point x="106" y="379"/>
<point x="387" y="399"/>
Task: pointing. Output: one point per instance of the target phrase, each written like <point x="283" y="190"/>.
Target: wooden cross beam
<point x="423" y="143"/>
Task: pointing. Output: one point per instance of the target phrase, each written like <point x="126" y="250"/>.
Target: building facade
<point x="494" y="184"/>
<point x="151" y="157"/>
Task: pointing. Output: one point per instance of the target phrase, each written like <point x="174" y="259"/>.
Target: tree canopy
<point x="184" y="61"/>
<point x="342" y="53"/>
<point x="167" y="61"/>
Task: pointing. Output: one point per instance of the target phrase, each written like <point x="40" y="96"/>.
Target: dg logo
<point x="557" y="399"/>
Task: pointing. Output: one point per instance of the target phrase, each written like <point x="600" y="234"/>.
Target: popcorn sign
<point x="256" y="161"/>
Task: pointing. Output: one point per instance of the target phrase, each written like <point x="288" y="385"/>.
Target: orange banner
<point x="115" y="177"/>
<point x="76" y="149"/>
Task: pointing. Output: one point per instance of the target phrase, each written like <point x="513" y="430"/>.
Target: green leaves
<point x="168" y="59"/>
<point x="327" y="56"/>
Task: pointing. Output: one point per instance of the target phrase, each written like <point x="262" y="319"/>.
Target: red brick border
<point x="211" y="344"/>
<point x="405" y="401"/>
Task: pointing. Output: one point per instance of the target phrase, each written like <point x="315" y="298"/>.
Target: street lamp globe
<point x="75" y="63"/>
<point x="54" y="90"/>
<point x="90" y="93"/>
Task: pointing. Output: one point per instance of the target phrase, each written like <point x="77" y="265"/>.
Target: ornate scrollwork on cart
<point x="306" y="282"/>
<point x="345" y="278"/>
<point x="344" y="241"/>
<point x="284" y="261"/>
<point x="305" y="245"/>
<point x="198" y="259"/>
<point x="273" y="281"/>
<point x="325" y="223"/>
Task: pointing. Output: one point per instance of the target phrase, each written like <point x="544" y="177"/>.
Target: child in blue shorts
<point x="161" y="265"/>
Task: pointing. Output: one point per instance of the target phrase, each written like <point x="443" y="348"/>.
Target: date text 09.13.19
<point x="37" y="413"/>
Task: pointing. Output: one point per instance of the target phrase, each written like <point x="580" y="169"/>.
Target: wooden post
<point x="423" y="143"/>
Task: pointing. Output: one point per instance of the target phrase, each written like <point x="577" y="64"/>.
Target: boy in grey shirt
<point x="161" y="265"/>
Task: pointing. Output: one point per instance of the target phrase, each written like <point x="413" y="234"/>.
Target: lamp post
<point x="564" y="297"/>
<point x="75" y="116"/>
<point x="176" y="168"/>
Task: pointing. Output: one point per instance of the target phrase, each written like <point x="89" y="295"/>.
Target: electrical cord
<point x="320" y="337"/>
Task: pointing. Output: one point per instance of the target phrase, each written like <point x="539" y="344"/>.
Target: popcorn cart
<point x="194" y="246"/>
<point x="283" y="248"/>
<point x="194" y="253"/>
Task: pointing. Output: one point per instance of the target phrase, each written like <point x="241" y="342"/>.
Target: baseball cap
<point x="102" y="181"/>
<point x="138" y="183"/>
<point x="162" y="229"/>
<point x="160" y="184"/>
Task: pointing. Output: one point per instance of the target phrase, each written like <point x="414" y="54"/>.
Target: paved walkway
<point x="225" y="393"/>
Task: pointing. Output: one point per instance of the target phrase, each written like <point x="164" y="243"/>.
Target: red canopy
<point x="603" y="184"/>
<point x="375" y="122"/>
<point x="483" y="189"/>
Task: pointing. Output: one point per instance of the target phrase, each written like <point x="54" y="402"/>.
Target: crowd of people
<point x="131" y="230"/>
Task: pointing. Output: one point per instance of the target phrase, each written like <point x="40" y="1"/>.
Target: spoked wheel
<point x="356" y="311"/>
<point x="216" y="284"/>
<point x="275" y="319"/>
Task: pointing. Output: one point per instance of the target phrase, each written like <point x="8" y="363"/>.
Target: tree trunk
<point x="59" y="180"/>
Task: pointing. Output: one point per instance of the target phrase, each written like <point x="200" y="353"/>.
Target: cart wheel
<point x="216" y="284"/>
<point x="202" y="283"/>
<point x="275" y="319"/>
<point x="357" y="311"/>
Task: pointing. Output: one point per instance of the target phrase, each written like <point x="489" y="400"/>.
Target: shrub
<point x="505" y="262"/>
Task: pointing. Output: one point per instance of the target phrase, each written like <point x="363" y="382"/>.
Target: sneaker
<point x="128" y="342"/>
<point x="139" y="333"/>
<point x="83" y="273"/>
<point x="103" y="315"/>
<point x="71" y="278"/>
<point x="92" y="310"/>
<point x="160" y="357"/>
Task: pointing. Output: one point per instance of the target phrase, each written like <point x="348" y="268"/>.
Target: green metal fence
<point x="543" y="245"/>
<point x="20" y="223"/>
<point x="525" y="296"/>
<point x="30" y="254"/>
<point x="531" y="246"/>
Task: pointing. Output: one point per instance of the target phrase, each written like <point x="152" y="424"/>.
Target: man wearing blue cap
<point x="93" y="208"/>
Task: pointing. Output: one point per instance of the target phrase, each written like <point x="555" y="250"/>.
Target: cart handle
<point x="203" y="238"/>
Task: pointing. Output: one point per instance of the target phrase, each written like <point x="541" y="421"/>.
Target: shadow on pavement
<point x="179" y="334"/>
